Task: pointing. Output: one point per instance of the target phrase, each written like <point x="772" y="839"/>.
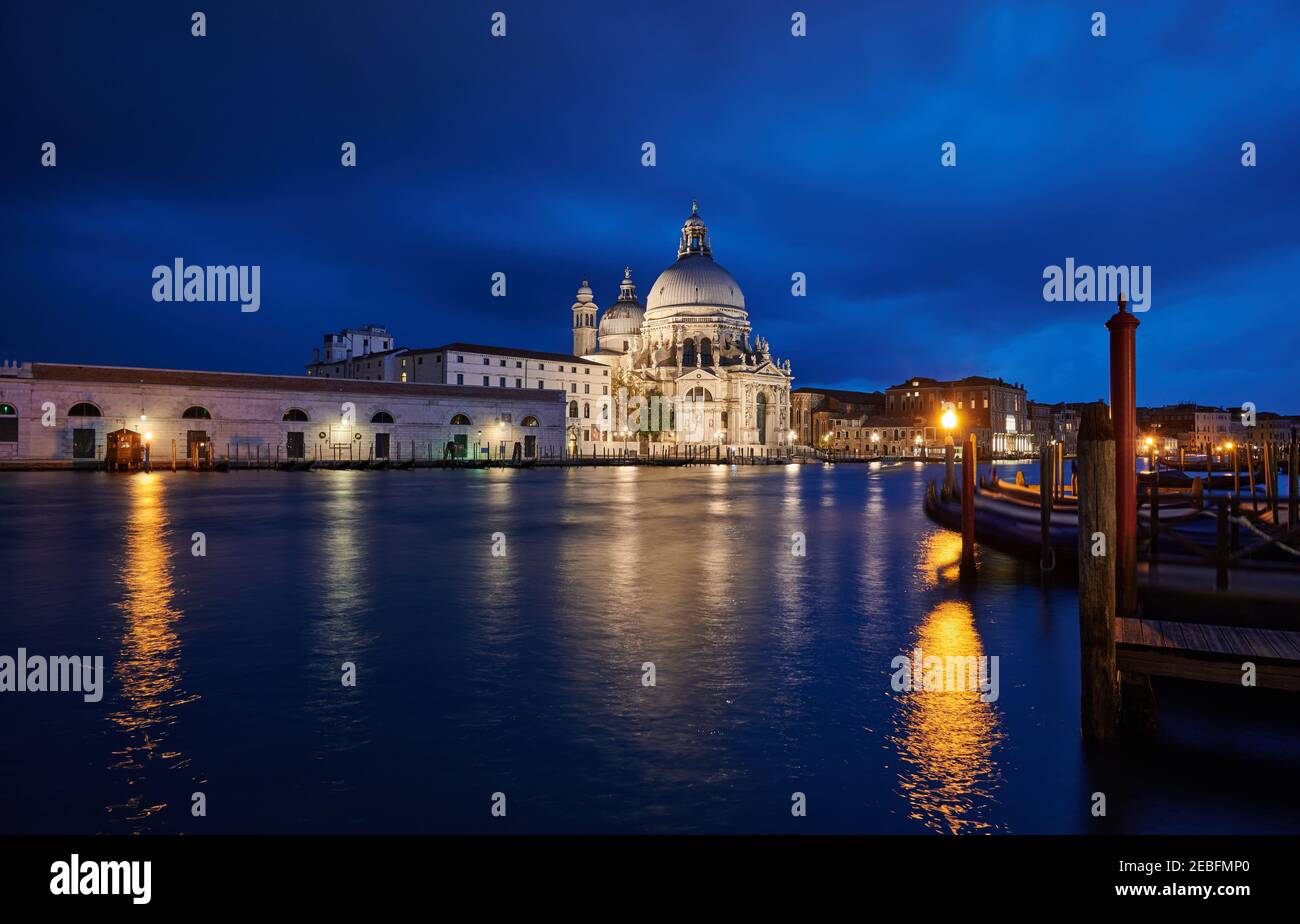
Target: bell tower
<point x="584" y="321"/>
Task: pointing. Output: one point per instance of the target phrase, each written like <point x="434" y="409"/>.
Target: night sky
<point x="523" y="155"/>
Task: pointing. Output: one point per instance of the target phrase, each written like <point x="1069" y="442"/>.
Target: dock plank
<point x="1207" y="652"/>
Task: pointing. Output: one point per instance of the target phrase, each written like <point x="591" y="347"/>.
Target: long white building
<point x="63" y="414"/>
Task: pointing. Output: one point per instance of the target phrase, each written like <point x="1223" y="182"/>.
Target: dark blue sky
<point x="523" y="155"/>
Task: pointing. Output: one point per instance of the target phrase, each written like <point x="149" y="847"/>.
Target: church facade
<point x="686" y="369"/>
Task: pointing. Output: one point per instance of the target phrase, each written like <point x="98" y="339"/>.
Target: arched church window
<point x="530" y="421"/>
<point x="573" y="408"/>
<point x="688" y="353"/>
<point x="706" y="352"/>
<point x="460" y="420"/>
<point x="295" y="414"/>
<point x="382" y="417"/>
<point x="84" y="409"/>
<point x="586" y="409"/>
<point x="196" y="413"/>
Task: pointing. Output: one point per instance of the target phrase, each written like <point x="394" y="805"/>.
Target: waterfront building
<point x="815" y="409"/>
<point x="1057" y="422"/>
<point x="994" y="410"/>
<point x="59" y="414"/>
<point x="875" y="436"/>
<point x="1194" y="425"/>
<point x="690" y="346"/>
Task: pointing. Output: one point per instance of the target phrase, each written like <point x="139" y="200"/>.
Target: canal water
<point x="522" y="673"/>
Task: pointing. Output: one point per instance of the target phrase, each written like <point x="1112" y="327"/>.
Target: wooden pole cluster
<point x="1098" y="517"/>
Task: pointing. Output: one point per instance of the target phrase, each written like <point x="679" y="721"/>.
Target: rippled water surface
<point x="522" y="673"/>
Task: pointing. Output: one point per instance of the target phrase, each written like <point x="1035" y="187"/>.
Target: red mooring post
<point x="968" y="507"/>
<point x="1123" y="410"/>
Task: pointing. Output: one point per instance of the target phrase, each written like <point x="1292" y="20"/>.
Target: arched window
<point x="84" y="409"/>
<point x="586" y="409"/>
<point x="382" y="417"/>
<point x="699" y="393"/>
<point x="8" y="424"/>
<point x="688" y="352"/>
<point x="573" y="408"/>
<point x="706" y="352"/>
<point x="460" y="420"/>
<point x="530" y="421"/>
<point x="196" y="413"/>
<point x="295" y="414"/>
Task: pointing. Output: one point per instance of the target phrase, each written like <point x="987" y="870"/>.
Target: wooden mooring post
<point x="1095" y="462"/>
<point x="967" y="569"/>
<point x="1047" y="561"/>
<point x="1123" y="408"/>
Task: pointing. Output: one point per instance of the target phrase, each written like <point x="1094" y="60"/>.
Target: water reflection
<point x="940" y="557"/>
<point x="338" y="633"/>
<point x="946" y="739"/>
<point x="148" y="666"/>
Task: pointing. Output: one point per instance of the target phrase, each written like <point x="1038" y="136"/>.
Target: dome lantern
<point x="695" y="235"/>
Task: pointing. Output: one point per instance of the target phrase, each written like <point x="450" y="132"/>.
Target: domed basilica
<point x="684" y="367"/>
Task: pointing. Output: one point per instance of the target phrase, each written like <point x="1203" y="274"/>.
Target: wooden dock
<point x="1209" y="653"/>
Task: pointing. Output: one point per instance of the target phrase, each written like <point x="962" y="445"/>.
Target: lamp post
<point x="949" y="423"/>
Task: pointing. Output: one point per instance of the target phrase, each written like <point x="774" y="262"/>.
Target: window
<point x="518" y="364"/>
<point x="586" y="388"/>
<point x="294" y="414"/>
<point x="604" y="389"/>
<point x="541" y="384"/>
<point x="486" y="361"/>
<point x="503" y="362"/>
<point x="382" y="417"/>
<point x="573" y="388"/>
<point x="460" y="420"/>
<point x="196" y="413"/>
<point x="587" y="371"/>
<point x="419" y="360"/>
<point x="586" y="409"/>
<point x="541" y="366"/>
<point x="460" y="358"/>
<point x="460" y="378"/>
<point x="529" y="421"/>
<point x="519" y="383"/>
<point x="485" y="379"/>
<point x="84" y="409"/>
<point x="573" y="408"/>
<point x="573" y="369"/>
<point x="8" y="424"/>
<point x="503" y="381"/>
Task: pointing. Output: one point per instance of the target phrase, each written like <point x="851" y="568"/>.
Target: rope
<point x="1245" y="521"/>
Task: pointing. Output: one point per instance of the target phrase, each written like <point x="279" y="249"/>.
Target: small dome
<point x="624" y="317"/>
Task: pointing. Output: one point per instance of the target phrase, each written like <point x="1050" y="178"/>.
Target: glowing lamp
<point x="949" y="419"/>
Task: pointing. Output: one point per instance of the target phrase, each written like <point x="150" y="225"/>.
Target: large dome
<point x="695" y="280"/>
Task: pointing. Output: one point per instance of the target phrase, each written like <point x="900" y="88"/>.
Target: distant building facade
<point x="54" y="413"/>
<point x="994" y="410"/>
<point x="819" y="412"/>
